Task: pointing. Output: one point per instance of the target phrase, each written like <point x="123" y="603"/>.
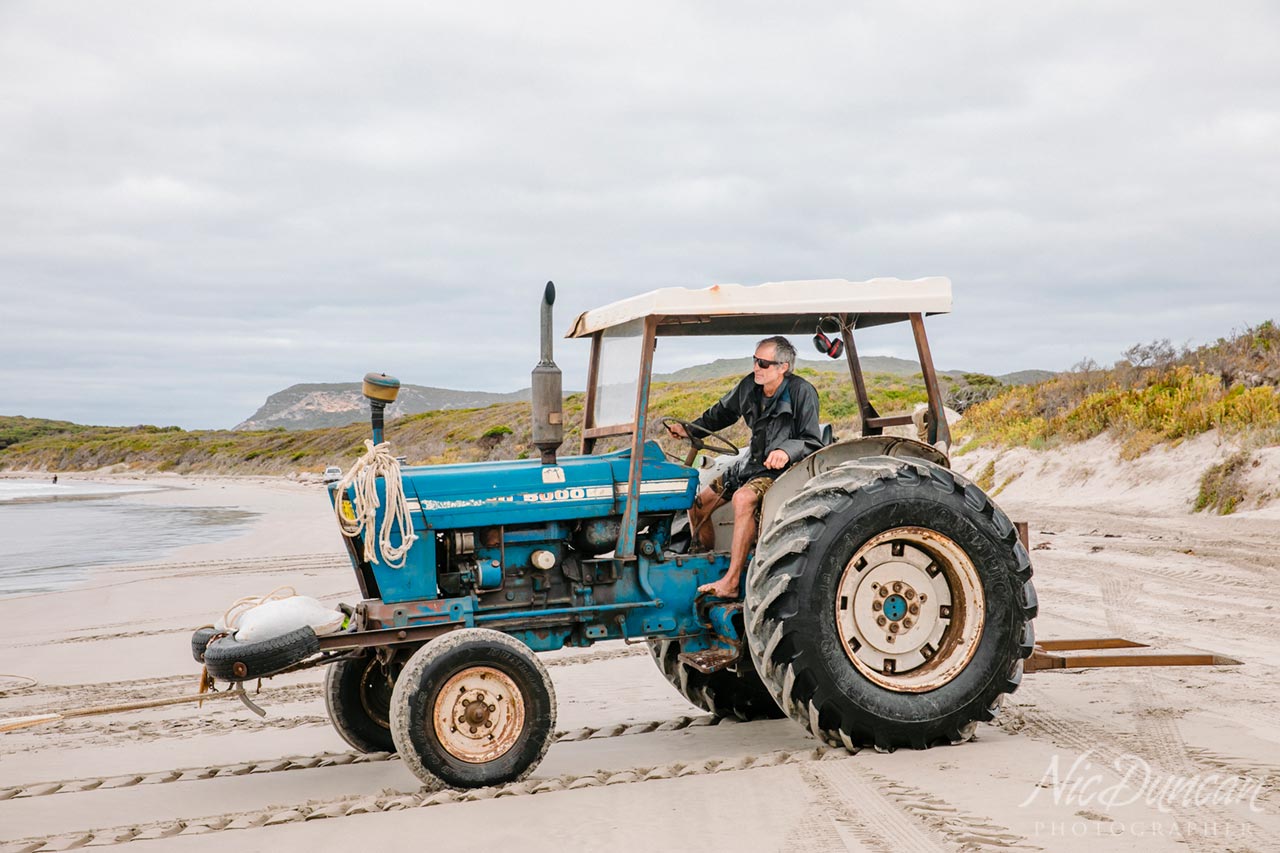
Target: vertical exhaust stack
<point x="381" y="390"/>
<point x="548" y="419"/>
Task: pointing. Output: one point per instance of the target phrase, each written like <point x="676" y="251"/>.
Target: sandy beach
<point x="634" y="766"/>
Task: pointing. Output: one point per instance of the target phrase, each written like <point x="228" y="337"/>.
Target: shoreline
<point x="106" y="474"/>
<point x="299" y="509"/>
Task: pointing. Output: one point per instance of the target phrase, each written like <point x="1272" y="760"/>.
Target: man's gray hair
<point x="782" y="350"/>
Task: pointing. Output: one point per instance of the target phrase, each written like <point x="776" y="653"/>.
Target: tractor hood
<point x="528" y="492"/>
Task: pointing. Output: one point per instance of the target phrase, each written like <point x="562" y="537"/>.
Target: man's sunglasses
<point x="764" y="363"/>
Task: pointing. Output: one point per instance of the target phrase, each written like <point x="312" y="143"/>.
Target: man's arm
<point x="806" y="433"/>
<point x="724" y="412"/>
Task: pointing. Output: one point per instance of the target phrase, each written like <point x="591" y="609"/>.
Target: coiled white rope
<point x="231" y="618"/>
<point x="377" y="461"/>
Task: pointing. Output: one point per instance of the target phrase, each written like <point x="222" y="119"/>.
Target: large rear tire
<point x="473" y="708"/>
<point x="890" y="604"/>
<point x="737" y="692"/>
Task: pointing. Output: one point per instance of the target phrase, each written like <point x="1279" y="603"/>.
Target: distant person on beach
<point x="55" y="479"/>
<point x="782" y="411"/>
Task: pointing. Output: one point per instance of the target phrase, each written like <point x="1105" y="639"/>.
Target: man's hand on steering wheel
<point x="698" y="438"/>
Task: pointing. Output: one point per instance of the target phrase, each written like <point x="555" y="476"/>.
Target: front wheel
<point x="890" y="604"/>
<point x="473" y="708"/>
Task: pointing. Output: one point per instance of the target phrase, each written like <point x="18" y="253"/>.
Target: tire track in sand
<point x="845" y="806"/>
<point x="320" y="759"/>
<point x="357" y="805"/>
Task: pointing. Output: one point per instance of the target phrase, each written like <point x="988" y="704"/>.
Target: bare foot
<point x="720" y="589"/>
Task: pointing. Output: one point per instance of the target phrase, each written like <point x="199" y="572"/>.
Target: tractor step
<point x="1113" y="651"/>
<point x="708" y="661"/>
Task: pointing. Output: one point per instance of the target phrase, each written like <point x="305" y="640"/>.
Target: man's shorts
<point x="724" y="486"/>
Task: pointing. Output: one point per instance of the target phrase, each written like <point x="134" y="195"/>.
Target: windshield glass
<point x="619" y="373"/>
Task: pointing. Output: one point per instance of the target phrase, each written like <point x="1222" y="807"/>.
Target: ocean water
<point x="54" y="534"/>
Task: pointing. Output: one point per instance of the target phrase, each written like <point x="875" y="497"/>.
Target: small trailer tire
<point x="228" y="659"/>
<point x="200" y="641"/>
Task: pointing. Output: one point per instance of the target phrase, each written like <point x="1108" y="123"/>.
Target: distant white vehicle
<point x="332" y="474"/>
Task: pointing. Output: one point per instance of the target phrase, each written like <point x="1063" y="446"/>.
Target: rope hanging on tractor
<point x="378" y="461"/>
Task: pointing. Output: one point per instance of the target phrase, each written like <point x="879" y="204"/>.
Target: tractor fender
<point x="794" y="478"/>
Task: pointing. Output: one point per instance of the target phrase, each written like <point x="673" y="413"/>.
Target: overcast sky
<point x="201" y="204"/>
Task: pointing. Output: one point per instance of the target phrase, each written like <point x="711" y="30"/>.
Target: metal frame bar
<point x="606" y="431"/>
<point x="562" y="611"/>
<point x="866" y="412"/>
<point x="626" y="548"/>
<point x="939" y="430"/>
<point x="589" y="406"/>
<point x="1090" y="643"/>
<point x="386" y="637"/>
<point x="1048" y="655"/>
<point x="890" y="420"/>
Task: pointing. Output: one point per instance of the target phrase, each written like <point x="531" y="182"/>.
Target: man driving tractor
<point x="781" y="409"/>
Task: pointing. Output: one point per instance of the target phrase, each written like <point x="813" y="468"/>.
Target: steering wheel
<point x="719" y="444"/>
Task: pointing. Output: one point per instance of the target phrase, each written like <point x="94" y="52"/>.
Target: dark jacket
<point x="786" y="421"/>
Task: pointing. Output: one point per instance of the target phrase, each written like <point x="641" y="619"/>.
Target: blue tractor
<point x="888" y="600"/>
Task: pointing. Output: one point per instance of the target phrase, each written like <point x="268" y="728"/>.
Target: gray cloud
<point x="200" y="205"/>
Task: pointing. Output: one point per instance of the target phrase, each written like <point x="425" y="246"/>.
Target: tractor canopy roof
<point x="780" y="306"/>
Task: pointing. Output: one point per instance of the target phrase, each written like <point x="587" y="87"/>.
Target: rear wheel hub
<point x="909" y="609"/>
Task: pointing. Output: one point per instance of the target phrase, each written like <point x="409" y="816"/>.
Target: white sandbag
<point x="279" y="616"/>
<point x="230" y="620"/>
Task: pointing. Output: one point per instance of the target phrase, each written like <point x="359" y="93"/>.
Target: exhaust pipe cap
<point x="380" y="387"/>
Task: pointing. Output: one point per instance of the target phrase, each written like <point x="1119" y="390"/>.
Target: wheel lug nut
<point x="906" y="623"/>
<point x="897" y="586"/>
<point x="893" y="628"/>
<point x="492" y="708"/>
<point x="473" y="729"/>
<point x="909" y="594"/>
<point x="881" y="621"/>
<point x="914" y="608"/>
<point x="884" y="592"/>
<point x="875" y="605"/>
